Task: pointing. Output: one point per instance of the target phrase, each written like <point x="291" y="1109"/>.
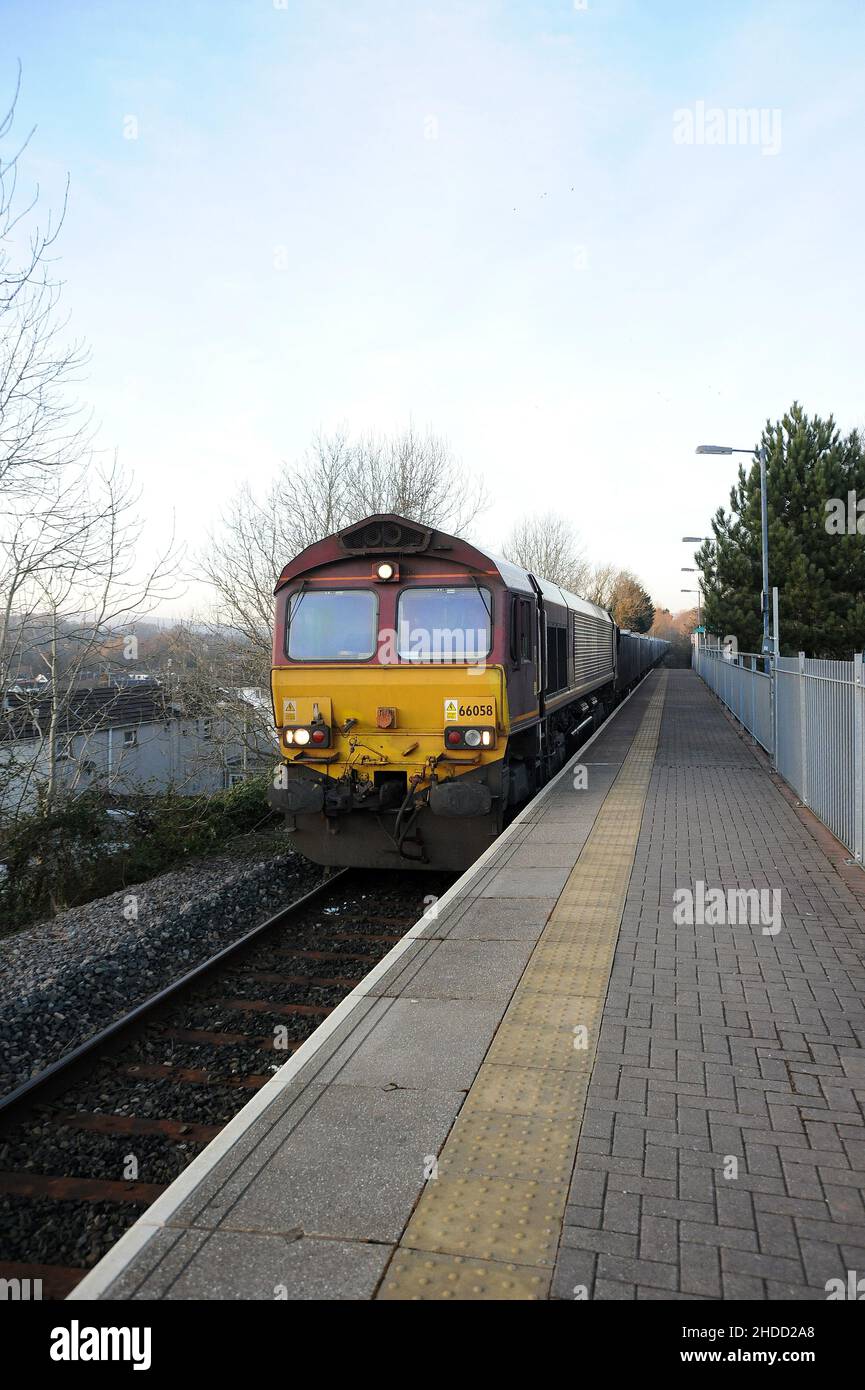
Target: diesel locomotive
<point x="422" y="688"/>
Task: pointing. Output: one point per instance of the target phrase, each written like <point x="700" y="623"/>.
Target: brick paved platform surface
<point x="724" y="1042"/>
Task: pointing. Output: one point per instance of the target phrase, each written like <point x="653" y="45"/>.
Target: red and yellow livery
<point x="421" y="688"/>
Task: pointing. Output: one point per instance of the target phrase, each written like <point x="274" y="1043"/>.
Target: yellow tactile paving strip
<point x="488" y="1225"/>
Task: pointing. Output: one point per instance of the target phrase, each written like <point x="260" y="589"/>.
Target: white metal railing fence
<point x="809" y="715"/>
<point x="820" y="752"/>
<point x="745" y="689"/>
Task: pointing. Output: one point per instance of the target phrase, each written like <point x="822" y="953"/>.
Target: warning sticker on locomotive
<point x="289" y="711"/>
<point x="457" y="709"/>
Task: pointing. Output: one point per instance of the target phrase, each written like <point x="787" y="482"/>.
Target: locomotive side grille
<point x="593" y="648"/>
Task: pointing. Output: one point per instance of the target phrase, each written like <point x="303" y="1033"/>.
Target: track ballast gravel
<point x="63" y="980"/>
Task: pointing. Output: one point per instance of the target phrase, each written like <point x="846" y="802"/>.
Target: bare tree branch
<point x="40" y="426"/>
<point x="336" y="483"/>
<point x="549" y="547"/>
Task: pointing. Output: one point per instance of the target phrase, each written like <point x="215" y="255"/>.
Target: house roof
<point x="28" y="714"/>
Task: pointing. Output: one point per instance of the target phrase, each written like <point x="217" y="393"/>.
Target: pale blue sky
<point x="550" y="281"/>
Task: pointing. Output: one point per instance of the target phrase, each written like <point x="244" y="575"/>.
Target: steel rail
<point x="50" y="1074"/>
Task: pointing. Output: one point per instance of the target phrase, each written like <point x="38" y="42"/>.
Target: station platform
<point x="571" y="1079"/>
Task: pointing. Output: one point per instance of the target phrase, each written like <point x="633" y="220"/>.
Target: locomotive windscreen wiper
<point x="297" y="599"/>
<point x="488" y="611"/>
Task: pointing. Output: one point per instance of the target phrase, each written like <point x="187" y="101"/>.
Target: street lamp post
<point x="696" y="540"/>
<point x="689" y="569"/>
<point x="762" y="455"/>
<point x="697" y="592"/>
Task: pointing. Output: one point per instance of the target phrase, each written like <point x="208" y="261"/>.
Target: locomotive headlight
<point x="301" y="735"/>
<point x="288" y="735"/>
<point x="470" y="738"/>
<point x="385" y="571"/>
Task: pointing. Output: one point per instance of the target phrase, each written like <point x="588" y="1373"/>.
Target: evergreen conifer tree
<point x="815" y="487"/>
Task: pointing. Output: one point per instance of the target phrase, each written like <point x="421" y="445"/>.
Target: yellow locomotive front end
<point x="390" y="699"/>
<point x="383" y="763"/>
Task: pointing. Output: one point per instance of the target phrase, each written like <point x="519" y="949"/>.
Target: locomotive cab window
<point x="332" y="625"/>
<point x="521" y="631"/>
<point x="557" y="659"/>
<point x="444" y="624"/>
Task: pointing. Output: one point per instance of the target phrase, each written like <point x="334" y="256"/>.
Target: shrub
<point x="92" y="845"/>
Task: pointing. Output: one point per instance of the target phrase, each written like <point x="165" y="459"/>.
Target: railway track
<point x="89" y="1143"/>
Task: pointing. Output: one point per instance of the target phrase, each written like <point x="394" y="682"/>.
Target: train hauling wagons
<point x="422" y="689"/>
